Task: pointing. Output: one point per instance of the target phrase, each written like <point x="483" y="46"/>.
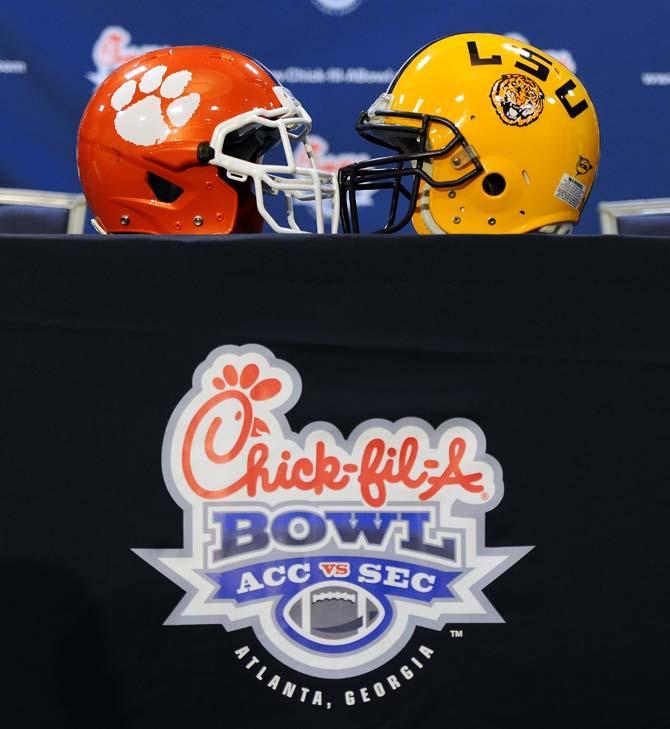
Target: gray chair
<point x="37" y="211"/>
<point x="636" y="217"/>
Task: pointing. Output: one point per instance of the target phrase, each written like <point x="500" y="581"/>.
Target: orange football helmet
<point x="173" y="142"/>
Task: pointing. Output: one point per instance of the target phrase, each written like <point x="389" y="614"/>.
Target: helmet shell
<point x="145" y="122"/>
<point x="526" y="116"/>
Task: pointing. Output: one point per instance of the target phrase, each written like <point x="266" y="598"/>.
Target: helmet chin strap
<point x="97" y="226"/>
<point x="427" y="216"/>
<point x="557" y="229"/>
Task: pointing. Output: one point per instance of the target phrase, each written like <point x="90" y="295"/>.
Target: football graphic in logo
<point x="334" y="612"/>
<point x="517" y="99"/>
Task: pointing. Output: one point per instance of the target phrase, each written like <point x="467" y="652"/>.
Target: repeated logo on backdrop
<point x="112" y="49"/>
<point x="331" y="549"/>
<point x="337" y="7"/>
<point x="13" y="66"/>
<point x="563" y="55"/>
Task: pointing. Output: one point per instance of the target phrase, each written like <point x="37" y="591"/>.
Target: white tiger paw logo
<point x="143" y="122"/>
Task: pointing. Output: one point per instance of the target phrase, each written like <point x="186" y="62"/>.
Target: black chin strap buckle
<point x="205" y="153"/>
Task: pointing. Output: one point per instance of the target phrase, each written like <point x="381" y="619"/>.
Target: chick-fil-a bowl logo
<point x="332" y="549"/>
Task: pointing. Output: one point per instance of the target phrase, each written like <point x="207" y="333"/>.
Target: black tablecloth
<point x="557" y="348"/>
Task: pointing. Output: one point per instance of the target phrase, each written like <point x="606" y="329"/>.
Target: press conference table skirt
<point x="394" y="482"/>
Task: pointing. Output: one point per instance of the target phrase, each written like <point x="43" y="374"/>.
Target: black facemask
<point x="403" y="172"/>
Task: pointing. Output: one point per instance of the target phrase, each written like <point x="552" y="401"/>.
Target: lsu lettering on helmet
<point x="173" y="142"/>
<point x="485" y="135"/>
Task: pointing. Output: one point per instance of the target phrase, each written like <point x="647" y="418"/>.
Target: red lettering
<point x="382" y="466"/>
<point x="371" y="479"/>
<point x="452" y="474"/>
<point x="335" y="569"/>
<point x="374" y="478"/>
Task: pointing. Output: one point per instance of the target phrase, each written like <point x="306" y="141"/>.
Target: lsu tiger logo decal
<point x="332" y="549"/>
<point x="517" y="99"/>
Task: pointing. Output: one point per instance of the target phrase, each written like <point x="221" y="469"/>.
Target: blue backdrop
<point x="336" y="56"/>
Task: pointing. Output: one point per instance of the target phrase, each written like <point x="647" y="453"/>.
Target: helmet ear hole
<point x="494" y="184"/>
<point x="164" y="190"/>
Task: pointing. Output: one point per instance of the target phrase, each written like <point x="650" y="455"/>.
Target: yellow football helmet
<point x="488" y="136"/>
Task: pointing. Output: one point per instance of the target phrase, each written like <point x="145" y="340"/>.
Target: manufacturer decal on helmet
<point x="331" y="549"/>
<point x="583" y="165"/>
<point x="517" y="99"/>
<point x="143" y="122"/>
<point x="570" y="191"/>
